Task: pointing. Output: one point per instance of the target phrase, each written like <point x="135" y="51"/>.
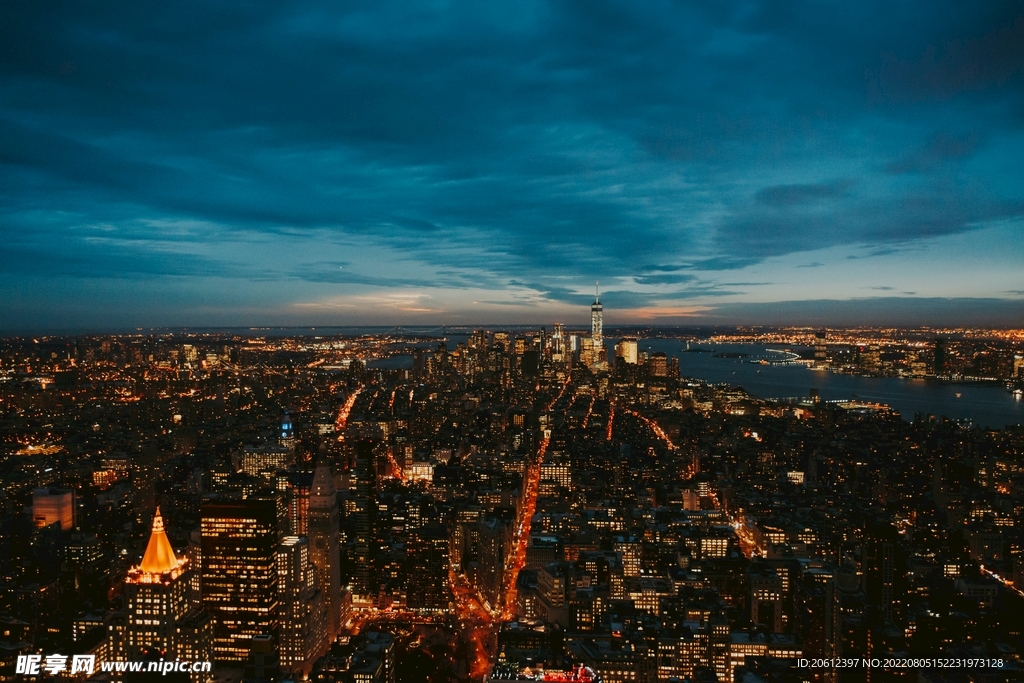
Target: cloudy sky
<point x="239" y="163"/>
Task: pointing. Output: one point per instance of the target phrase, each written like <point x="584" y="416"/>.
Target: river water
<point x="985" y="404"/>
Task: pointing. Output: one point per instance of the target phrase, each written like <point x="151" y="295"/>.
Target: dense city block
<point x="519" y="504"/>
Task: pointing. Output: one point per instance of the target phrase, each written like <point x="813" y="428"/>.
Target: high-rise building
<point x="495" y="543"/>
<point x="844" y="611"/>
<point x="766" y="593"/>
<point x="364" y="579"/>
<point x="940" y="356"/>
<point x="871" y="358"/>
<point x="428" y="570"/>
<point x="597" y="321"/>
<point x="820" y="348"/>
<point x="162" y="613"/>
<point x="263" y="664"/>
<point x="295" y="487"/>
<point x="239" y="550"/>
<point x="325" y="543"/>
<point x="302" y="609"/>
<point x="883" y="571"/>
<point x="287" y="439"/>
<point x="50" y="506"/>
<point x="657" y="364"/>
<point x="556" y="472"/>
<point x="265" y="461"/>
<point x="559" y="345"/>
<point x="626" y="349"/>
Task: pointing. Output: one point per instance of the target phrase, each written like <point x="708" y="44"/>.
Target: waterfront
<point x="985" y="404"/>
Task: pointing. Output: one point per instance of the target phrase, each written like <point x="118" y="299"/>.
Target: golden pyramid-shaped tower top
<point x="159" y="557"/>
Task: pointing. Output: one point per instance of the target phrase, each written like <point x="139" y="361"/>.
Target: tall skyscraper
<point x="820" y="348"/>
<point x="239" y="550"/>
<point x="597" y="320"/>
<point x="883" y="569"/>
<point x="295" y="487"/>
<point x="287" y="439"/>
<point x="559" y="350"/>
<point x="940" y="356"/>
<point x="428" y="570"/>
<point x="302" y="609"/>
<point x="364" y="579"/>
<point x="495" y="543"/>
<point x="162" y="612"/>
<point x="325" y="542"/>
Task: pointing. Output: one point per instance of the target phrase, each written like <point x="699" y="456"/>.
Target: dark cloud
<point x="941" y="209"/>
<point x="664" y="279"/>
<point x="986" y="58"/>
<point x="791" y="195"/>
<point x="669" y="268"/>
<point x="942" y="147"/>
<point x="549" y="142"/>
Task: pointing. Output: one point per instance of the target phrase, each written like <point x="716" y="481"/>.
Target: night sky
<point x="236" y="163"/>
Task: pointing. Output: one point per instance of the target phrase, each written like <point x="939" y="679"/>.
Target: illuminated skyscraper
<point x="559" y="350"/>
<point x="287" y="432"/>
<point x="302" y="610"/>
<point x="239" y="550"/>
<point x="325" y="542"/>
<point x="162" y="613"/>
<point x="592" y="351"/>
<point x="627" y="350"/>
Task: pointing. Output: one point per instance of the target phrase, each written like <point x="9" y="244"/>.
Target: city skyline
<point x="752" y="163"/>
<point x="513" y="504"/>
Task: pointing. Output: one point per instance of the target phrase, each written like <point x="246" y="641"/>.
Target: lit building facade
<point x="592" y="351"/>
<point x="287" y="439"/>
<point x="626" y="349"/>
<point x="325" y="543"/>
<point x="428" y="550"/>
<point x="162" y="613"/>
<point x="239" y="551"/>
<point x="50" y="506"/>
<point x="266" y="461"/>
<point x="302" y="609"/>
